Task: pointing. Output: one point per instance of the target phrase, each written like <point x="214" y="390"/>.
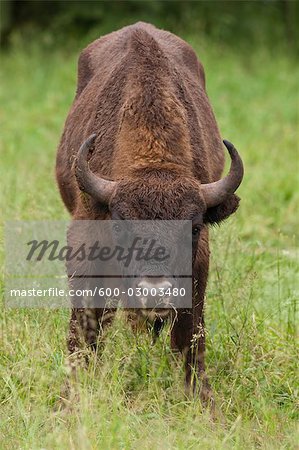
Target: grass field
<point x="133" y="397"/>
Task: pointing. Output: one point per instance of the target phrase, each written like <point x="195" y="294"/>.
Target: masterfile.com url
<point x="53" y="292"/>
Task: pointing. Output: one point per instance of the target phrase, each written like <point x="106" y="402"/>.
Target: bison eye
<point x="195" y="231"/>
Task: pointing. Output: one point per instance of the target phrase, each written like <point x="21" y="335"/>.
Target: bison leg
<point x="86" y="327"/>
<point x="191" y="343"/>
<point x="196" y="379"/>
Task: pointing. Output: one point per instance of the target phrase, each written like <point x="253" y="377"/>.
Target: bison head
<point x="161" y="194"/>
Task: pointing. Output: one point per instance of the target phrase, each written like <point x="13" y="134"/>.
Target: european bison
<point x="150" y="150"/>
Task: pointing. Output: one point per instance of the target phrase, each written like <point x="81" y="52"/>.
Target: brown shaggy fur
<point x="142" y="91"/>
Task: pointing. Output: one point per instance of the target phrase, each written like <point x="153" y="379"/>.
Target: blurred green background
<point x="262" y="22"/>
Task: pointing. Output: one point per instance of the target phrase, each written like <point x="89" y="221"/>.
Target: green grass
<point x="133" y="397"/>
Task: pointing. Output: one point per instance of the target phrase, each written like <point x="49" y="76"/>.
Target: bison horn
<point x="215" y="193"/>
<point x="88" y="182"/>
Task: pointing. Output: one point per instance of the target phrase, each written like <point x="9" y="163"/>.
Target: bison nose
<point x="150" y="286"/>
<point x="154" y="293"/>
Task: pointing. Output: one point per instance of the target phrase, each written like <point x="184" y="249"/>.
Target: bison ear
<point x="216" y="214"/>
